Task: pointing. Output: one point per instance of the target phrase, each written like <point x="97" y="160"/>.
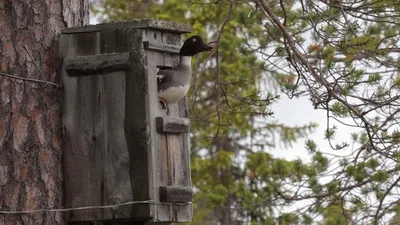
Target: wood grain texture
<point x="117" y="186"/>
<point x="153" y="59"/>
<point x="126" y="158"/>
<point x="148" y="24"/>
<point x="169" y="124"/>
<point x="161" y="47"/>
<point x="185" y="144"/>
<point x="96" y="143"/>
<point x="97" y="64"/>
<point x="83" y="132"/>
<point x="137" y="128"/>
<point x="177" y="194"/>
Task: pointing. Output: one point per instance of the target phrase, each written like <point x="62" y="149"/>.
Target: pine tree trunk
<point x="30" y="112"/>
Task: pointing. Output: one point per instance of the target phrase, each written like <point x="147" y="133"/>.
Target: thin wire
<point x="27" y="79"/>
<point x="93" y="207"/>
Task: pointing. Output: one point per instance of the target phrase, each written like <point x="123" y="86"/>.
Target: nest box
<point x="120" y="145"/>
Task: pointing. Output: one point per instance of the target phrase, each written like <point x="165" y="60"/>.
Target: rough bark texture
<point x="30" y="119"/>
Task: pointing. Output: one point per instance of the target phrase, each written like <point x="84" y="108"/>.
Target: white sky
<point x="301" y="112"/>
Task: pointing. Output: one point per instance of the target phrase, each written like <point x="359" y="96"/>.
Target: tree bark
<point x="30" y="112"/>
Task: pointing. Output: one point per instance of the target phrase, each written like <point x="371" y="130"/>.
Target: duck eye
<point x="194" y="39"/>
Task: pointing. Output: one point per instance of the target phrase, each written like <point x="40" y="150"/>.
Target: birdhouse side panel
<point x="137" y="127"/>
<point x="167" y="166"/>
<point x="83" y="131"/>
<point x="117" y="184"/>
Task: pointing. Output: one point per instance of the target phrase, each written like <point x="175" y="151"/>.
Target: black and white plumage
<point x="174" y="83"/>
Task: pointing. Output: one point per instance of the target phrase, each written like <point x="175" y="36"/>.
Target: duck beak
<point x="205" y="47"/>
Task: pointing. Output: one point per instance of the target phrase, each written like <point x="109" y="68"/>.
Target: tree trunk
<point x="30" y="119"/>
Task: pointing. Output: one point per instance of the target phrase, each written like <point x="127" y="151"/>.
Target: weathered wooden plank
<point x="137" y="127"/>
<point x="97" y="64"/>
<point x="171" y="58"/>
<point x="165" y="165"/>
<point x="170" y="146"/>
<point x="185" y="144"/>
<point x="162" y="47"/>
<point x="154" y="58"/>
<point x="166" y="26"/>
<point x="84" y="138"/>
<point x="180" y="161"/>
<point x="168" y="124"/>
<point x="117" y="187"/>
<point x="176" y="194"/>
<point x="111" y="130"/>
<point x="175" y="151"/>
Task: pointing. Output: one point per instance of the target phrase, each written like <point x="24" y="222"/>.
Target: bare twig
<point x="377" y="216"/>
<point x="218" y="63"/>
<point x="299" y="57"/>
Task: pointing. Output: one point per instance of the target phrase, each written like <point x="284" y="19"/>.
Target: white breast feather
<point x="174" y="94"/>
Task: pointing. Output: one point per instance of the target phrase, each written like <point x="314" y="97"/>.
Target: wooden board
<point x="83" y="131"/>
<point x="150" y="24"/>
<point x="113" y="152"/>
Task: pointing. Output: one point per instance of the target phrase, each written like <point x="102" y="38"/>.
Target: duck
<point x="173" y="83"/>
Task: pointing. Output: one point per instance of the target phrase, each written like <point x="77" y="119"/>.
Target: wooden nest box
<point x="120" y="146"/>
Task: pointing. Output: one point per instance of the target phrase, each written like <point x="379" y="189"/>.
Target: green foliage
<point x="335" y="213"/>
<point x="344" y="58"/>
<point x="339" y="109"/>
